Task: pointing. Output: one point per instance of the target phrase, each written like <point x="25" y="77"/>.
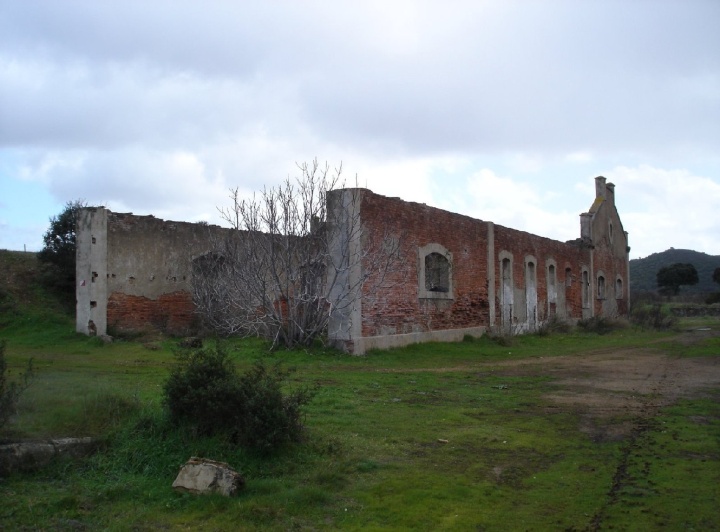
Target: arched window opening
<point x="618" y="288"/>
<point x="530" y="280"/>
<point x="601" y="287"/>
<point x="585" y="289"/>
<point x="568" y="277"/>
<point x="552" y="279"/>
<point x="531" y="294"/>
<point x="506" y="294"/>
<point x="437" y="273"/>
<point x="435" y="279"/>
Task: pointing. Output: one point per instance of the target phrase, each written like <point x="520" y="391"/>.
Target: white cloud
<point x="519" y="205"/>
<point x="580" y="157"/>
<point x="423" y="101"/>
<point x="668" y="208"/>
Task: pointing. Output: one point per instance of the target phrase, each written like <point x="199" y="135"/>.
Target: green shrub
<point x="713" y="298"/>
<point x="601" y="325"/>
<point x="10" y="391"/>
<point x="270" y="418"/>
<point x="553" y="325"/>
<point x="202" y="390"/>
<point x="653" y="317"/>
<point x="205" y="393"/>
<point x="503" y="339"/>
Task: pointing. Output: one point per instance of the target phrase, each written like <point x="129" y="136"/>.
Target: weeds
<point x="104" y="412"/>
<point x="554" y="325"/>
<point x="601" y="325"/>
<point x="653" y="316"/>
<point x="10" y="391"/>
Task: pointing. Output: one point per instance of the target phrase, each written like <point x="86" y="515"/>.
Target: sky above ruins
<point x="501" y="110"/>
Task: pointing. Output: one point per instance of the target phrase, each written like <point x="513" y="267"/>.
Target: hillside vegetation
<point x="643" y="271"/>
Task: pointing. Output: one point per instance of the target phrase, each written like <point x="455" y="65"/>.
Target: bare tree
<point x="288" y="264"/>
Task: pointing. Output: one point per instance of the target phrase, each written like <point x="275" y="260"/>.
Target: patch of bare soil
<point x="625" y="385"/>
<point x="614" y="389"/>
<point x="618" y="393"/>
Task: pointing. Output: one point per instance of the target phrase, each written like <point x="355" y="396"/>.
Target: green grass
<point x="431" y="437"/>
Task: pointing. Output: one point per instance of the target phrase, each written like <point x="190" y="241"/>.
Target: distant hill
<point x="643" y="271"/>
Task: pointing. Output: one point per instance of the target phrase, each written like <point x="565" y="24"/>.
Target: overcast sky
<point x="501" y="110"/>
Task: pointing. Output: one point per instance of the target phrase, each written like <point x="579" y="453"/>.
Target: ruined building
<point x="464" y="276"/>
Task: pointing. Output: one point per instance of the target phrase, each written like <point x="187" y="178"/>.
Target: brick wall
<point x="396" y="307"/>
<point x="523" y="247"/>
<point x="543" y="279"/>
<point x="172" y="313"/>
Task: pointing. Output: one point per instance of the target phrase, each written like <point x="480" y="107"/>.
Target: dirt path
<point x="612" y="388"/>
<point x="618" y="394"/>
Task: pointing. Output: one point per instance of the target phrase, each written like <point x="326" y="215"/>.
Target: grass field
<point x="570" y="431"/>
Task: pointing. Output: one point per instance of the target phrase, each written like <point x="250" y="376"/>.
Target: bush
<point x="205" y="393"/>
<point x="270" y="419"/>
<point x="601" y="325"/>
<point x="713" y="298"/>
<point x="553" y="325"/>
<point x="200" y="390"/>
<point x="10" y="391"/>
<point x="503" y="339"/>
<point x="652" y="317"/>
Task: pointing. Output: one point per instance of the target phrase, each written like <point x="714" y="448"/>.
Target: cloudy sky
<point x="502" y="110"/>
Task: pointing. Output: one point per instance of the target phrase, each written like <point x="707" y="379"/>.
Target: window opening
<point x="434" y="272"/>
<point x="437" y="273"/>
<point x="531" y="294"/>
<point x="618" y="289"/>
<point x="601" y="287"/>
<point x="507" y="293"/>
<point x="552" y="295"/>
<point x="585" y="289"/>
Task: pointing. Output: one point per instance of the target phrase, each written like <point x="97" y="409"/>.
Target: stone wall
<point x="135" y="272"/>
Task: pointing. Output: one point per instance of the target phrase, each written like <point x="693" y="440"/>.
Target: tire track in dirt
<point x="618" y="394"/>
<point x="636" y="444"/>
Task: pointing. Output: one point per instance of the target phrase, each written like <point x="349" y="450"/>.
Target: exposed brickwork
<point x="543" y="278"/>
<point x="172" y="313"/>
<point x="396" y="308"/>
<point x="522" y="245"/>
<point x="139" y="271"/>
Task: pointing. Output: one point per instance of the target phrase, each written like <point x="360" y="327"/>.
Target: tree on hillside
<point x="58" y="253"/>
<point x="714" y="297"/>
<point x="278" y="275"/>
<point x="671" y="278"/>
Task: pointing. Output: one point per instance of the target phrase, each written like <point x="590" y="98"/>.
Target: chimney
<point x="610" y="193"/>
<point x="586" y="226"/>
<point x="600" y="187"/>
